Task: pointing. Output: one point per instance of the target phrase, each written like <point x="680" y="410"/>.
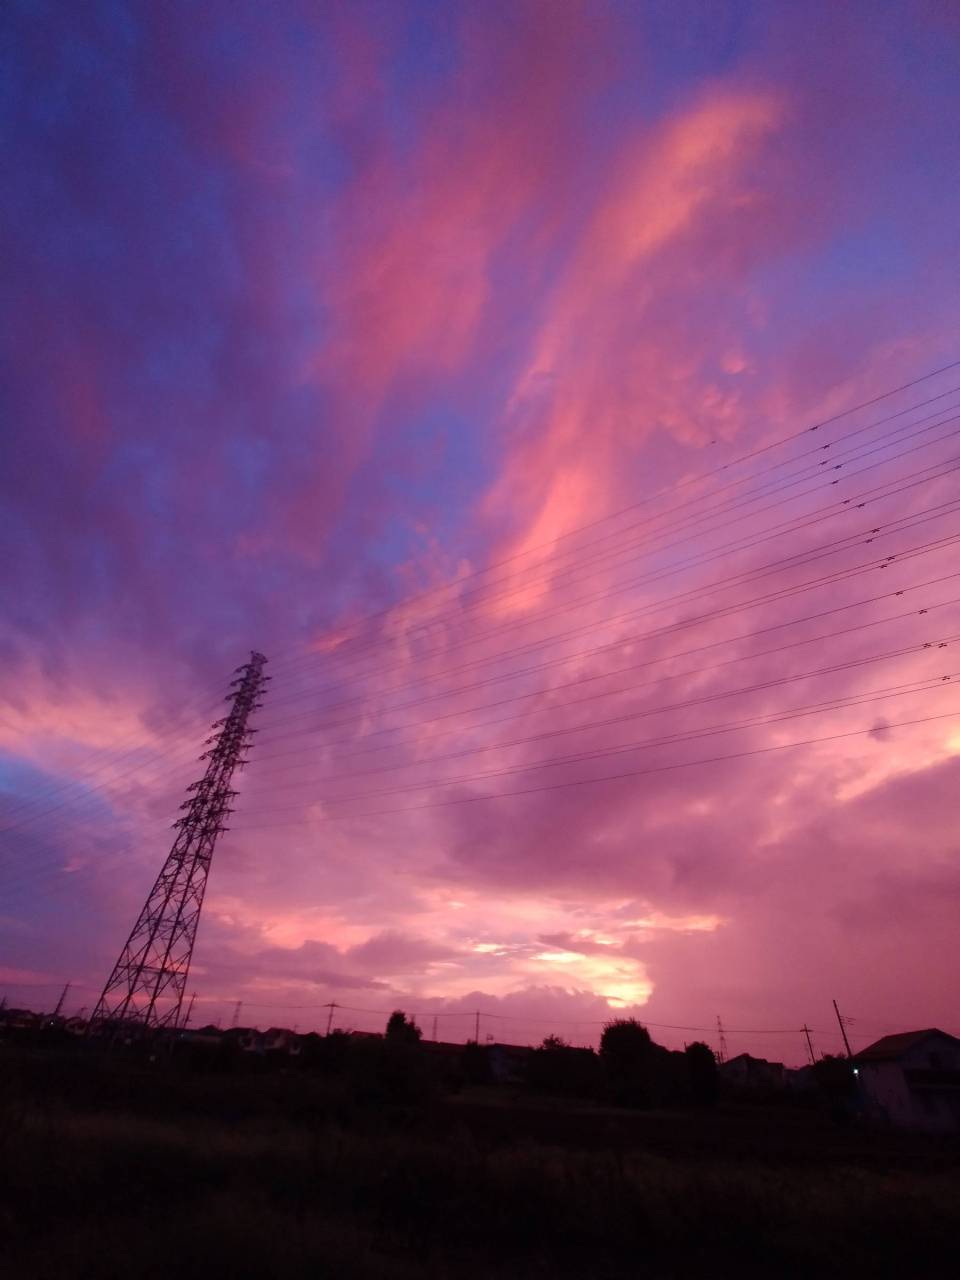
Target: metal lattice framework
<point x="148" y="981"/>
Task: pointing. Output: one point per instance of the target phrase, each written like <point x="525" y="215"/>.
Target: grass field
<point x="112" y="1171"/>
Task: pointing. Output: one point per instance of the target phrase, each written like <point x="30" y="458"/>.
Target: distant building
<point x="442" y="1049"/>
<point x="208" y="1037"/>
<point x="21" y="1020"/>
<point x="244" y="1039"/>
<point x="753" y="1075"/>
<point x="508" y="1062"/>
<point x="280" y="1040"/>
<point x="799" y="1079"/>
<point x="912" y="1080"/>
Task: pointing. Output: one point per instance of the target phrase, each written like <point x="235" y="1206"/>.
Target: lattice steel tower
<point x="148" y="981"/>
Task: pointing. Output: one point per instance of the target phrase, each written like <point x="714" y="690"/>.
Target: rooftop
<point x="887" y="1048"/>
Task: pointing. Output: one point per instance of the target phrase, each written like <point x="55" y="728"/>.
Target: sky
<point x="559" y="394"/>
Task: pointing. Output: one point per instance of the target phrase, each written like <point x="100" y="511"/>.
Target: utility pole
<point x="148" y="981"/>
<point x="843" y="1030"/>
<point x="331" y="1006"/>
<point x="722" y="1055"/>
<point x="806" y="1032"/>
<point x="476" y="1026"/>
<point x="235" y="1020"/>
<point x="434" y="1026"/>
<point x="63" y="996"/>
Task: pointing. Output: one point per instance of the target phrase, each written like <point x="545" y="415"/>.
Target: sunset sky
<point x="463" y="358"/>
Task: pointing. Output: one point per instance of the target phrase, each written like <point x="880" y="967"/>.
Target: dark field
<point x="108" y="1169"/>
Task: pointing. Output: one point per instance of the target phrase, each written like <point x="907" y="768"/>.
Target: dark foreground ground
<point x="113" y="1170"/>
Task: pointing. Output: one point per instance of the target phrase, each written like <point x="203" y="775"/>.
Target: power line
<point x="613" y="777"/>
<point x="104" y="786"/>
<point x="779" y="487"/>
<point x="720" y="695"/>
<point x="500" y="658"/>
<point x="673" y="488"/>
<point x="506" y="1017"/>
<point x="546" y="1019"/>
<point x="794" y="560"/>
<point x="743" y="577"/>
<point x="794" y="525"/>
<point x="78" y="782"/>
<point x="167" y="765"/>
<point x="845" y="703"/>
<point x="853" y="571"/>
<point x="725" y="611"/>
<point x="159" y="772"/>
<point x="912" y="550"/>
<point x="619" y="690"/>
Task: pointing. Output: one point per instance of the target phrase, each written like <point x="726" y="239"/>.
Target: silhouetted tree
<point x="557" y="1067"/>
<point x="836" y="1086"/>
<point x="402" y="1029"/>
<point x="702" y="1078"/>
<point x="625" y="1040"/>
<point x="629" y="1067"/>
<point x="834" y="1076"/>
<point x="636" y="1071"/>
<point x="329" y="1053"/>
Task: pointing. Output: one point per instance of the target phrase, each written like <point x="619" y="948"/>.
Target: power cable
<point x="838" y="703"/>
<point x="612" y="777"/>
<point x="793" y="525"/>
<point x="619" y="690"/>
<point x="705" y="558"/>
<point x="875" y="563"/>
<point x="459" y="612"/>
<point x="673" y="488"/>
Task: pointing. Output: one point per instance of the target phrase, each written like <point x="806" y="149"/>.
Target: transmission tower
<point x="722" y="1053"/>
<point x="148" y="981"/>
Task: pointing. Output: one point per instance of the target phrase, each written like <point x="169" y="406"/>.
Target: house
<point x="21" y="1020"/>
<point x="203" y="1038"/>
<point x="274" y="1041"/>
<point x="244" y="1039"/>
<point x="508" y="1062"/>
<point x="799" y="1079"/>
<point x="753" y="1075"/>
<point x="912" y="1080"/>
<point x="280" y="1040"/>
<point x="442" y="1050"/>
